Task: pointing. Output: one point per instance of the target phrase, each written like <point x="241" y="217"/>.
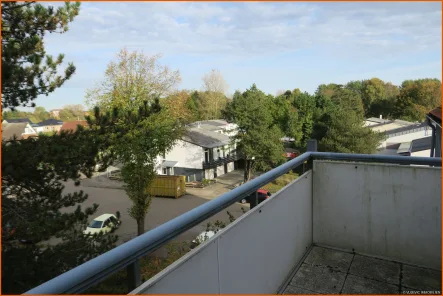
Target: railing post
<point x="311" y="146"/>
<point x="254" y="200"/>
<point x="134" y="279"/>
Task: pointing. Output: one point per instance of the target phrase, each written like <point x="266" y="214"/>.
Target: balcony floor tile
<point x="328" y="271"/>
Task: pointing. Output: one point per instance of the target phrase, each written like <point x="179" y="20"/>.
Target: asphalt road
<point x="161" y="209"/>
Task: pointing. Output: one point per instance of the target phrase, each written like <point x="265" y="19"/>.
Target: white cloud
<point x="255" y="28"/>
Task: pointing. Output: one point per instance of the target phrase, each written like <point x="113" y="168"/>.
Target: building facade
<point x="205" y="152"/>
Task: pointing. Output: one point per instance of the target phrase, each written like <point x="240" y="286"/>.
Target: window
<point x="95" y="224"/>
<point x="164" y="171"/>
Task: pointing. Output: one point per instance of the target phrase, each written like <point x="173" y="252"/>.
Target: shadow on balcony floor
<point x="328" y="271"/>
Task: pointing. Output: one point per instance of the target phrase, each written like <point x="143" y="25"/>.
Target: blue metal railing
<point x="128" y="254"/>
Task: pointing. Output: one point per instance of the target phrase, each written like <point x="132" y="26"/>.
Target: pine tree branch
<point x="7" y="9"/>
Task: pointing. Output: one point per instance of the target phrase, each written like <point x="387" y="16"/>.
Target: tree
<point x="24" y="76"/>
<point x="178" y="106"/>
<point x="287" y="117"/>
<point x="417" y="97"/>
<point x="339" y="128"/>
<point x="72" y="112"/>
<point x="373" y="91"/>
<point x="214" y="89"/>
<point x="40" y="114"/>
<point x="134" y="140"/>
<point x="140" y="129"/>
<point x="131" y="80"/>
<point x="35" y="208"/>
<point x="259" y="136"/>
<point x="305" y="105"/>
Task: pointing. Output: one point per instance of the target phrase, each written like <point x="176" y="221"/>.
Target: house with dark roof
<point x="204" y="152"/>
<point x="17" y="120"/>
<point x="49" y="125"/>
<point x="433" y="119"/>
<point x="18" y="130"/>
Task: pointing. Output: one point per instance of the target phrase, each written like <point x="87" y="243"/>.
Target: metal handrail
<point x="92" y="272"/>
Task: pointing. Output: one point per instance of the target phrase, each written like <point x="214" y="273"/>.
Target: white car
<point x="104" y="223"/>
<point x="202" y="237"/>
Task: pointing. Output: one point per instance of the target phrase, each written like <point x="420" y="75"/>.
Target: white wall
<point x="188" y="155"/>
<point x="389" y="211"/>
<point x="220" y="170"/>
<point x="406" y="138"/>
<point x="423" y="153"/>
<point x="230" y="166"/>
<point x="29" y="129"/>
<point x="249" y="256"/>
<point x="209" y="174"/>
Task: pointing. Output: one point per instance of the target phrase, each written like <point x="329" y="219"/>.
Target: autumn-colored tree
<point x="417" y="98"/>
<point x="213" y="96"/>
<point x="178" y="106"/>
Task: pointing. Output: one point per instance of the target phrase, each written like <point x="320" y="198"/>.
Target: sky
<point x="278" y="46"/>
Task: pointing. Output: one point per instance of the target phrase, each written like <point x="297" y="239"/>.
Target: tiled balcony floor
<point x="328" y="271"/>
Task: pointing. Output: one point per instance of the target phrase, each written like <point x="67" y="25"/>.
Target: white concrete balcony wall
<point x="384" y="210"/>
<point x="254" y="254"/>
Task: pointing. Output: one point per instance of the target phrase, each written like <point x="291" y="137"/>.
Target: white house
<point x="19" y="130"/>
<point x="205" y="152"/>
<point x="403" y="137"/>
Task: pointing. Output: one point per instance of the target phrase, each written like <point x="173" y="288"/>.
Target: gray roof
<point x="212" y="125"/>
<point x="206" y="138"/>
<point x="17" y="120"/>
<point x="11" y="129"/>
<point x="421" y="144"/>
<point x="415" y="145"/>
<point x="50" y="122"/>
<point x="409" y="127"/>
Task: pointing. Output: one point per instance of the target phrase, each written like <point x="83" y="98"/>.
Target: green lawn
<point x="280" y="182"/>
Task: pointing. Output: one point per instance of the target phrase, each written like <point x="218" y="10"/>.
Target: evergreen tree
<point x="27" y="71"/>
<point x="259" y="136"/>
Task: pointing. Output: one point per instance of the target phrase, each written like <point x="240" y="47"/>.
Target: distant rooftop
<point x="206" y="138"/>
<point x="17" y="120"/>
<point x="17" y="129"/>
<point x="72" y="125"/>
<point x="50" y="122"/>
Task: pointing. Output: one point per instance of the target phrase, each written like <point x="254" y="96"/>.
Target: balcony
<point x="221" y="160"/>
<point x="350" y="224"/>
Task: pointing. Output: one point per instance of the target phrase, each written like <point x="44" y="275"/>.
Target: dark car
<point x="263" y="194"/>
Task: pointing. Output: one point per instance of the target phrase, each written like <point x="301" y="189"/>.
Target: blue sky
<point x="275" y="45"/>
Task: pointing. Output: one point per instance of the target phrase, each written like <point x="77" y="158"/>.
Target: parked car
<point x="263" y="194"/>
<point x="104" y="223"/>
<point x="202" y="237"/>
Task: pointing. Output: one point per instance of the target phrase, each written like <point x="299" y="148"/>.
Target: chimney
<point x="381" y="116"/>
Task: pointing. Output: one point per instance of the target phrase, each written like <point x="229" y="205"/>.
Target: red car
<point x="263" y="194"/>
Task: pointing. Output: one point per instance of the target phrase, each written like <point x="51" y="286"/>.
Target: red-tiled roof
<point x="436" y="113"/>
<point x="72" y="125"/>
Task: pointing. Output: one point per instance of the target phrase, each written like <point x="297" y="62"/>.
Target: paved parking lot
<point x="162" y="210"/>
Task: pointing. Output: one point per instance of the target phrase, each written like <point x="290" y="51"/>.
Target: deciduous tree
<point x="130" y="80"/>
<point x="214" y="89"/>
